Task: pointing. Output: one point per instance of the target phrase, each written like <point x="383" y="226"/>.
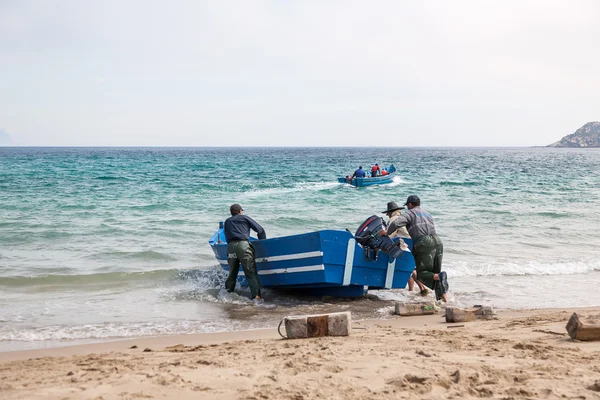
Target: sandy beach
<point x="521" y="354"/>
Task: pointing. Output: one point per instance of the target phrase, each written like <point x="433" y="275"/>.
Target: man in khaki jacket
<point x="428" y="249"/>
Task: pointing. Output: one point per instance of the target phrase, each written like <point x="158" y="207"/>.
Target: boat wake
<point x="396" y="181"/>
<point x="298" y="187"/>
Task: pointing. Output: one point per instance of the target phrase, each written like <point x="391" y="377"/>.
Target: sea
<point x="101" y="244"/>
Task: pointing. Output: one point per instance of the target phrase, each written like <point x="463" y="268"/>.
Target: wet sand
<point x="521" y="354"/>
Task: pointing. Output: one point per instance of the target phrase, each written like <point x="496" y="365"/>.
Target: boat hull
<point x="371" y="180"/>
<point x="327" y="262"/>
<point x="368" y="181"/>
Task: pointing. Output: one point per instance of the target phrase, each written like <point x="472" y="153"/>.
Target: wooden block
<point x="409" y="309"/>
<point x="296" y="327"/>
<point x="455" y="314"/>
<point x="339" y="324"/>
<point x="316" y="325"/>
<point x="583" y="328"/>
<point x="305" y="326"/>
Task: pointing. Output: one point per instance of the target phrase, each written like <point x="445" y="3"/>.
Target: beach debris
<point x="415" y="379"/>
<point x="456" y="376"/>
<point x="595" y="386"/>
<point x="306" y="326"/>
<point x="147" y="350"/>
<point x="549" y="332"/>
<point x="457" y="314"/>
<point x="70" y="373"/>
<point x="180" y="348"/>
<point x="456" y="326"/>
<point x="133" y="347"/>
<point x="422" y="353"/>
<point x="484" y="312"/>
<point x="411" y="309"/>
<point x="582" y="328"/>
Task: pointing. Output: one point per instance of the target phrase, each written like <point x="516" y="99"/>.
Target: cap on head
<point x="235" y="209"/>
<point x="413" y="198"/>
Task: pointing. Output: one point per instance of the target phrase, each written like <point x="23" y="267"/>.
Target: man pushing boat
<point x="428" y="248"/>
<point x="240" y="250"/>
<point x="393" y="212"/>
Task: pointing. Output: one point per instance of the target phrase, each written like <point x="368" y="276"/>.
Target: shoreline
<point x="520" y="354"/>
<point x="120" y="344"/>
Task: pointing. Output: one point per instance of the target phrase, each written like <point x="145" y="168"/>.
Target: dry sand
<point x="524" y="354"/>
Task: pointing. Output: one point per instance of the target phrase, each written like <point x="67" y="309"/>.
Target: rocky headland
<point x="586" y="136"/>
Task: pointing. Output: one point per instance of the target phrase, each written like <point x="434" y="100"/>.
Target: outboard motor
<point x="367" y="235"/>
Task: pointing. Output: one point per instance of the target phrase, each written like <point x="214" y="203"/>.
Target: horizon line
<point x="267" y="147"/>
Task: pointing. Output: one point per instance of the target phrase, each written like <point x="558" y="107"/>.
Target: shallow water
<point x="107" y="243"/>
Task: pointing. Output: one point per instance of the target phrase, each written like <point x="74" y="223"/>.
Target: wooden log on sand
<point x="585" y="329"/>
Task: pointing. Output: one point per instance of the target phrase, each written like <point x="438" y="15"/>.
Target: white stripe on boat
<point x="290" y="270"/>
<point x="389" y="277"/>
<point x="320" y="267"/>
<point x="295" y="256"/>
<point x="349" y="261"/>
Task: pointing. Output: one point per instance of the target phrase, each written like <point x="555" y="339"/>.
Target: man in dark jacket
<point x="359" y="173"/>
<point x="428" y="248"/>
<point x="237" y="233"/>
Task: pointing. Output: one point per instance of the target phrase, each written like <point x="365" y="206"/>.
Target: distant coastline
<point x="588" y="136"/>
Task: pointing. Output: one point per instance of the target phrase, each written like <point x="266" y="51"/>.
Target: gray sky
<point x="297" y="73"/>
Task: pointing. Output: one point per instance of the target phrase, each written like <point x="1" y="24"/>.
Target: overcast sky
<point x="297" y="73"/>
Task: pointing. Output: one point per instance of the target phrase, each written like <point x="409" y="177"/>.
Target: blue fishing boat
<point x="326" y="262"/>
<point x="370" y="180"/>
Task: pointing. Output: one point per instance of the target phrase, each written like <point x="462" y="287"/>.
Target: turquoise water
<point x="100" y="243"/>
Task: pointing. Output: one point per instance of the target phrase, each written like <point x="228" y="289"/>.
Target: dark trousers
<point x="428" y="252"/>
<point x="242" y="252"/>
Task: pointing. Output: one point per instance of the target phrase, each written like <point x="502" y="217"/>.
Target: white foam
<point x="464" y="268"/>
<point x="114" y="330"/>
<point x="298" y="187"/>
<point x="397" y="180"/>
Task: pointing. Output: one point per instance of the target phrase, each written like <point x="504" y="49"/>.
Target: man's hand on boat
<point x="382" y="232"/>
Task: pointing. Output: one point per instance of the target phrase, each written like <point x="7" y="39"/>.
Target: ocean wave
<point x="113" y="330"/>
<point x="493" y="211"/>
<point x="298" y="187"/>
<point x="459" y="183"/>
<point x="175" y="222"/>
<point x="147" y="255"/>
<point x="87" y="279"/>
<point x="12" y="224"/>
<point x="77" y="207"/>
<point x="552" y="214"/>
<point x="465" y="269"/>
<point x="112" y="178"/>
<point x="206" y="278"/>
<point x="150" y="207"/>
